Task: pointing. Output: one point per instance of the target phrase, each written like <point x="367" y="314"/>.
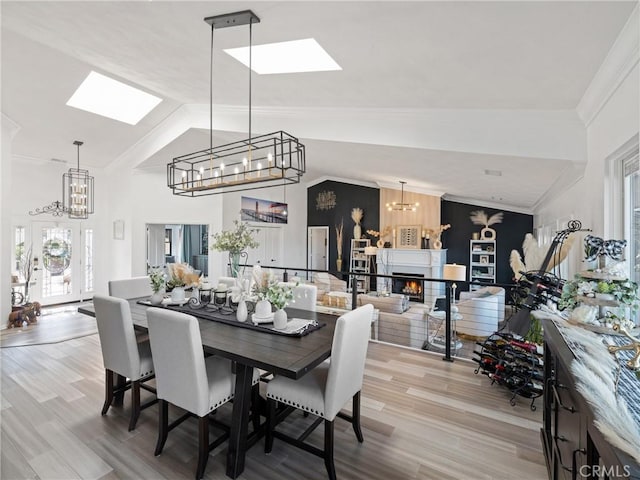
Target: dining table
<point x="288" y="355"/>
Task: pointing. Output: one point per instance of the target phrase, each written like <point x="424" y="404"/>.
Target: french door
<point x="63" y="253"/>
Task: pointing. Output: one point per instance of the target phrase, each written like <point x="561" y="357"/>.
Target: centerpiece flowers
<point x="235" y="242"/>
<point x="266" y="288"/>
<point x="157" y="280"/>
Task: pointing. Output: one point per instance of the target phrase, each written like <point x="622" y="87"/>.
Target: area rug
<point x="55" y="325"/>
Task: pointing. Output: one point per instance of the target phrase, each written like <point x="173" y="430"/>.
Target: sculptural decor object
<point x="479" y="217"/>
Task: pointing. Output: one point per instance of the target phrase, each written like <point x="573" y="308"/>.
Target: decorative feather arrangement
<point x="534" y="255"/>
<point x="356" y="215"/>
<point x="479" y="217"/>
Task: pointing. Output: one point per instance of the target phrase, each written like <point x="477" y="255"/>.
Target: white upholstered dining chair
<point x="186" y="379"/>
<point x="128" y="288"/>
<point x="122" y="355"/>
<point x="327" y="388"/>
<point x="305" y="296"/>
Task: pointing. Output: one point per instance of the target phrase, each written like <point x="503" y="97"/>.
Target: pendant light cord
<point x="250" y="65"/>
<point x="211" y="95"/>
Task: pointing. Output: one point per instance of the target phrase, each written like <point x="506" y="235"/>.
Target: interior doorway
<point x="317" y="248"/>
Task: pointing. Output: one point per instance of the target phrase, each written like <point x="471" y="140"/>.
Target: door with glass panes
<point x="63" y="254"/>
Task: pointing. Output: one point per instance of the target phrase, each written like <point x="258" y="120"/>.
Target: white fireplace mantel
<point x="428" y="263"/>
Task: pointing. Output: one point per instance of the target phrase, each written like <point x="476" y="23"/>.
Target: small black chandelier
<point x="258" y="162"/>
<point x="77" y="190"/>
<point x="77" y="194"/>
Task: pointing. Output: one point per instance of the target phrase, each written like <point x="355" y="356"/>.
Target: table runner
<point x="216" y="316"/>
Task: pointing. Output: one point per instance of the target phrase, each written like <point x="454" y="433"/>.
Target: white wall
<point x="143" y="197"/>
<point x="9" y="129"/>
<point x="294" y="232"/>
<point x="613" y="126"/>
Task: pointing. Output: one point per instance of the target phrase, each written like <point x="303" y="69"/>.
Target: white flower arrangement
<point x="157" y="279"/>
<point x="266" y="287"/>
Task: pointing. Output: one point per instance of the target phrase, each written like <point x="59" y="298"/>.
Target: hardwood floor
<point x="422" y="419"/>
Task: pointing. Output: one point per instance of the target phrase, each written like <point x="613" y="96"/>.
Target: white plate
<point x="167" y="302"/>
<point x="267" y="319"/>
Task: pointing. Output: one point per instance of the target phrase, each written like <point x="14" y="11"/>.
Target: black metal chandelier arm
<point x="55" y="208"/>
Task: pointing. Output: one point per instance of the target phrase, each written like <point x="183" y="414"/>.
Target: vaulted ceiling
<point x="434" y="93"/>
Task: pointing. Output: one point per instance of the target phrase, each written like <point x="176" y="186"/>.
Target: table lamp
<point x="455" y="273"/>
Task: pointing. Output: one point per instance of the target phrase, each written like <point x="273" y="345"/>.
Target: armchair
<point x="482" y="311"/>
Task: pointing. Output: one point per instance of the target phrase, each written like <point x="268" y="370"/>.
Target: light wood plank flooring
<point x="423" y="418"/>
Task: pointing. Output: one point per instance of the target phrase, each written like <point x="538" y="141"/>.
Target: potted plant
<point x="157" y="279"/>
<point x="235" y="242"/>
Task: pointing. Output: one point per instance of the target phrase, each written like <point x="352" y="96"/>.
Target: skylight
<point x="112" y="99"/>
<point x="286" y="57"/>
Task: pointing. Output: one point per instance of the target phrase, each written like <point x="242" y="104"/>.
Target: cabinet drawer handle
<point x="574" y="462"/>
<point x="559" y="402"/>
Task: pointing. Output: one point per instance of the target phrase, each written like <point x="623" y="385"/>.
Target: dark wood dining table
<point x="283" y="355"/>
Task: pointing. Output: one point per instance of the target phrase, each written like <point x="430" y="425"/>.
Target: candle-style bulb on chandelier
<point x="401" y="205"/>
<point x="77" y="190"/>
<point x="258" y="162"/>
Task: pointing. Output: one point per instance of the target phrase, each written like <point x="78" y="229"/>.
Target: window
<point x="631" y="173"/>
<point x="88" y="260"/>
<point x="167" y="241"/>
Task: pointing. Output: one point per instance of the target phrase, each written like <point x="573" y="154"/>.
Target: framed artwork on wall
<point x="267" y="211"/>
<point x="408" y="236"/>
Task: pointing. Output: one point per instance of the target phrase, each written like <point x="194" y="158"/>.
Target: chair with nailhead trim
<point x="188" y="380"/>
<point x="326" y="389"/>
<point x="122" y="355"/>
<point x="128" y="288"/>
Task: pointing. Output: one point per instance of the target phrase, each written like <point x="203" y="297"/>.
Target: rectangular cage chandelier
<point x="268" y="160"/>
<point x="77" y="191"/>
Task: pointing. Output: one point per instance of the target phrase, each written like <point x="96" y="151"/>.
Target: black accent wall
<point x="347" y="197"/>
<point x="509" y="235"/>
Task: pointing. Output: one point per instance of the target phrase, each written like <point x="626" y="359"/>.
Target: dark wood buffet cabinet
<point x="574" y="448"/>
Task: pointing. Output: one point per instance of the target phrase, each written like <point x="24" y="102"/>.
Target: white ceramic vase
<point x="280" y="319"/>
<point x="357" y="231"/>
<point x="177" y="295"/>
<point x="241" y="312"/>
<point x="263" y="309"/>
<point x="156" y="298"/>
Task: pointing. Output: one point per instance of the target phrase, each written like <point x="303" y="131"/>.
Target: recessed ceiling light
<point x="286" y="57"/>
<point x="113" y="99"/>
<point x="495" y="173"/>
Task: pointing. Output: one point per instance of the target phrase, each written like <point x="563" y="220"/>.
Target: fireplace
<point x="412" y="285"/>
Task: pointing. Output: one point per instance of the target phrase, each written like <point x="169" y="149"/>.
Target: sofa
<point x="482" y="311"/>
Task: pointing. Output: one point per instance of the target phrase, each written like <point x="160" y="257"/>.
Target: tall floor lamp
<point x="454" y="273"/>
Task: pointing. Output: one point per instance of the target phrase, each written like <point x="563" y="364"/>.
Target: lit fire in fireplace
<point x="412" y="288"/>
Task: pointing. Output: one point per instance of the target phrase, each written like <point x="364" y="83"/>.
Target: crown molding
<point x="341" y="180"/>
<point x="487" y="204"/>
<point x="10" y="125"/>
<point x="618" y="64"/>
<point x="569" y="176"/>
<point x="410" y="188"/>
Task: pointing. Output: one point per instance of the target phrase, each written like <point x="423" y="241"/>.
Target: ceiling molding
<point x="11" y="126"/>
<point x="620" y="61"/>
<point x="341" y="180"/>
<point x="567" y="178"/>
<point x="486" y="204"/>
<point x="411" y="188"/>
